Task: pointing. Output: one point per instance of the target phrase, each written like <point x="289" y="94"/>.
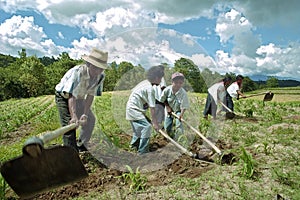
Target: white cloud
<point x="110" y="20"/>
<point x="60" y="35"/>
<point x="279" y="61"/>
<point x="233" y="27"/>
<point x="21" y="32"/>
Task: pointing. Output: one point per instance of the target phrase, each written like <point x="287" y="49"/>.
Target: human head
<point x="97" y="58"/>
<point x="227" y="80"/>
<point x="177" y="80"/>
<point x="239" y="78"/>
<point x="155" y="74"/>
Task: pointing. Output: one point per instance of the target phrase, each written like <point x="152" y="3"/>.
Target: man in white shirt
<point x="159" y="107"/>
<point x="234" y="91"/>
<point x="74" y="95"/>
<point x="142" y="98"/>
<point x="216" y="93"/>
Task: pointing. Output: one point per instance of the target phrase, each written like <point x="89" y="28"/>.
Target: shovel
<point x="40" y="169"/>
<point x="217" y="150"/>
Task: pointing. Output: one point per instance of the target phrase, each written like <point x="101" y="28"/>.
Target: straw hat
<point x="97" y="58"/>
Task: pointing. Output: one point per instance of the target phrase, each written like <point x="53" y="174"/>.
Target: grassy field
<point x="265" y="137"/>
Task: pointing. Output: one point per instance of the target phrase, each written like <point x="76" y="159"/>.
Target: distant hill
<point x="283" y="83"/>
<point x="264" y="78"/>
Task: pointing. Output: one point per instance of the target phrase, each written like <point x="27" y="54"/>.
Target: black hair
<point x="154" y="72"/>
<point x="227" y="79"/>
<point x="239" y="77"/>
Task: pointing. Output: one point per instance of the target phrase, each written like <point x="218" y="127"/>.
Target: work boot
<point x="144" y="145"/>
<point x="135" y="143"/>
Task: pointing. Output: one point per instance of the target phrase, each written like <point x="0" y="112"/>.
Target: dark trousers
<point x="210" y="106"/>
<point x="229" y="102"/>
<point x="69" y="138"/>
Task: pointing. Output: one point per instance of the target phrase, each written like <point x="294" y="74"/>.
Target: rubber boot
<point x="135" y="143"/>
<point x="144" y="145"/>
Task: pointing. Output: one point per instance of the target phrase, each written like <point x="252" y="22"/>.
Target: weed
<point x="137" y="181"/>
<point x="248" y="163"/>
<point x="286" y="178"/>
<point x="3" y="188"/>
<point x="266" y="148"/>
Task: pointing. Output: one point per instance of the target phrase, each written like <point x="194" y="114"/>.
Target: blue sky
<point x="243" y="37"/>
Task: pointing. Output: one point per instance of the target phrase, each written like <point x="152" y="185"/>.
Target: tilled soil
<point x="160" y="166"/>
<point x="103" y="177"/>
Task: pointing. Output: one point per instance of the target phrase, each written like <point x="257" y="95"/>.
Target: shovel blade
<point x="268" y="96"/>
<point x="54" y="167"/>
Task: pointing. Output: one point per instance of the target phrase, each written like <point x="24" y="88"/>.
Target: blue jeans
<point x="141" y="135"/>
<point x="169" y="125"/>
<point x="210" y="107"/>
<point x="229" y="102"/>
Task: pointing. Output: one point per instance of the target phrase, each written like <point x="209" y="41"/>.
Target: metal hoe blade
<point x="268" y="96"/>
<point x="53" y="167"/>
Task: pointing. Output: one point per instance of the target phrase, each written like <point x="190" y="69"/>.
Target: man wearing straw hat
<point x="74" y="95"/>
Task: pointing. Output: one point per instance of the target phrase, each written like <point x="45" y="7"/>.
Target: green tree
<point x="249" y="85"/>
<point x="272" y="82"/>
<point x="210" y="77"/>
<point x="55" y="71"/>
<point x="192" y="74"/>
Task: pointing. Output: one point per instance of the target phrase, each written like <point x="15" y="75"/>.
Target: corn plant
<point x="137" y="181"/>
<point x="3" y="188"/>
<point x="248" y="163"/>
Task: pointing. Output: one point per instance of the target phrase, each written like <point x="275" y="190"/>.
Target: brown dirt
<point x="105" y="177"/>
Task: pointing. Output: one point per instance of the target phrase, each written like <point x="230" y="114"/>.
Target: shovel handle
<point x="218" y="151"/>
<point x="184" y="150"/>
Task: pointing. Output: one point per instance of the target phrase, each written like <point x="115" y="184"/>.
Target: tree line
<point x="30" y="76"/>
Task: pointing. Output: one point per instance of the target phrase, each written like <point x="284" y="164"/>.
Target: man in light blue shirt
<point x="176" y="100"/>
<point x="74" y="95"/>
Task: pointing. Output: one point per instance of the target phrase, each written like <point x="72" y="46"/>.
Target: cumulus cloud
<point x="278" y="61"/>
<point x="19" y="32"/>
<point x="233" y="27"/>
<point x="117" y="21"/>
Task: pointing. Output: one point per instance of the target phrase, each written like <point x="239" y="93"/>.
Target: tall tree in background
<point x="192" y="74"/>
<point x="210" y="77"/>
<point x="249" y="85"/>
<point x="56" y="70"/>
<point x="272" y="82"/>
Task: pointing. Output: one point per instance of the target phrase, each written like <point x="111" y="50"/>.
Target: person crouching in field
<point x="176" y="100"/>
<point x="234" y="91"/>
<point x="216" y="93"/>
<point x="142" y="98"/>
<point x="74" y="95"/>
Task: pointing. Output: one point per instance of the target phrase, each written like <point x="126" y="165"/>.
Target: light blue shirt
<point x="78" y="82"/>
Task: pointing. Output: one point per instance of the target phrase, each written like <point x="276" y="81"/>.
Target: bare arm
<point x="72" y="109"/>
<point x="88" y="102"/>
<point x="241" y="94"/>
<point x="154" y="120"/>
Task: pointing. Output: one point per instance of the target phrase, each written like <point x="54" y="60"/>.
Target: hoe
<point x="40" y="169"/>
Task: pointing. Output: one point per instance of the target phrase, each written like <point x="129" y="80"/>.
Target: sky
<point x="243" y="37"/>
